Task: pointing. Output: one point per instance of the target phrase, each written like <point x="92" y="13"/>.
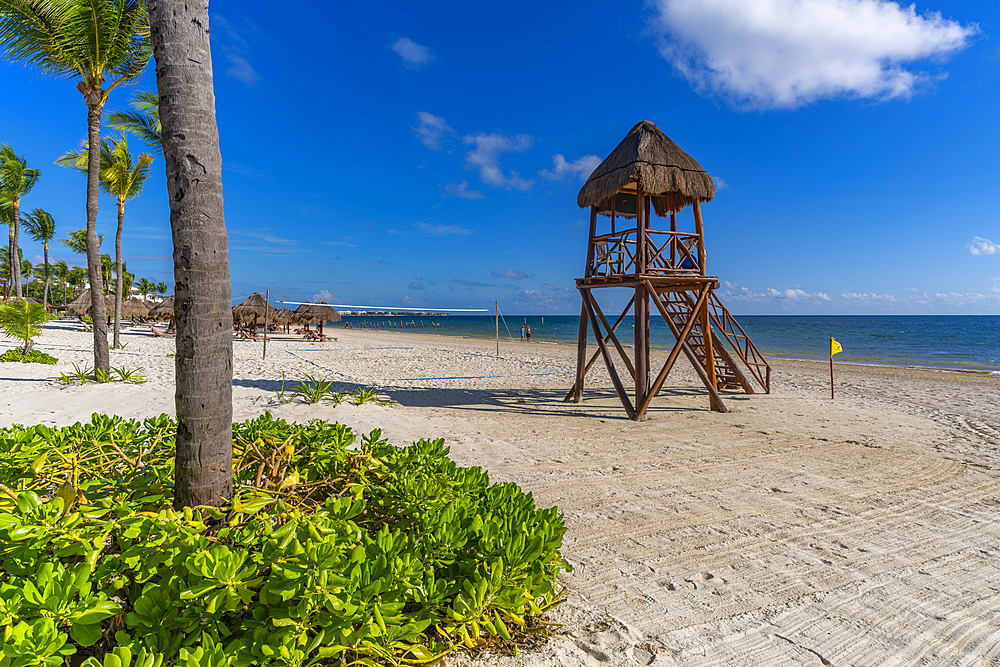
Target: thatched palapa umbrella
<point x="316" y="312"/>
<point x="164" y="309"/>
<point x="134" y="307"/>
<point x="284" y="317"/>
<point x="79" y="305"/>
<point x="253" y="310"/>
<point x="649" y="158"/>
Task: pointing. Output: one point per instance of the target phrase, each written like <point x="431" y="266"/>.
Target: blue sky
<point x="430" y="154"/>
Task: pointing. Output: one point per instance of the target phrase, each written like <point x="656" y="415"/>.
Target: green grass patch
<point x="333" y="552"/>
<point x="33" y="357"/>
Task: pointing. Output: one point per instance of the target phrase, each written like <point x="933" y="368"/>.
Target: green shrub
<point x="33" y="357"/>
<point x="329" y="553"/>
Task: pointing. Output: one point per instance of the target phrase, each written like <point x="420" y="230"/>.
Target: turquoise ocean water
<point x="967" y="342"/>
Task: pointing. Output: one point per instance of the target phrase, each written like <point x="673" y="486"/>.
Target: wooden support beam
<point x="615" y="380"/>
<point x="699" y="228"/>
<point x="641" y="301"/>
<point x="589" y="271"/>
<point x="581" y="353"/>
<point x="682" y="337"/>
<point x="593" y="358"/>
<point x="614" y="338"/>
<point x="706" y="331"/>
<point x="714" y="399"/>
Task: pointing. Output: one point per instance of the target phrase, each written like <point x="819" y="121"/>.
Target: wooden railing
<point x="615" y="254"/>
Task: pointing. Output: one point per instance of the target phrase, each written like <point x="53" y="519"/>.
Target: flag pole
<point x="831" y="368"/>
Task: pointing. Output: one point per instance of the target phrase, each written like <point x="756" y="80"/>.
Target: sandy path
<point x="792" y="530"/>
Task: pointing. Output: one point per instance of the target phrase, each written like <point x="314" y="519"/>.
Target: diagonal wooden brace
<point x="626" y="403"/>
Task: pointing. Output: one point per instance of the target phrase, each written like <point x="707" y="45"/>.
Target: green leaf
<point x="84" y="634"/>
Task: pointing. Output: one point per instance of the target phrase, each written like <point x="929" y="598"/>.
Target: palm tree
<point x="78" y="278"/>
<point x="203" y="461"/>
<point x="144" y="287"/>
<point x="42" y="227"/>
<point x="161" y="288"/>
<point x="144" y="122"/>
<point x="94" y="41"/>
<point x="122" y="177"/>
<point x="61" y="271"/>
<point x="16" y="180"/>
<point x="22" y="320"/>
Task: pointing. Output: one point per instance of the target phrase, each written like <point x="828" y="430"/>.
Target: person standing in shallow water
<point x="527" y="333"/>
<point x="522" y="333"/>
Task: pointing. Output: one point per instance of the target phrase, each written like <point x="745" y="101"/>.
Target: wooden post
<point x="699" y="229"/>
<point x="497" y="303"/>
<point x="589" y="271"/>
<point x="641" y="302"/>
<point x="267" y="296"/>
<point x="581" y="353"/>
<point x="673" y="230"/>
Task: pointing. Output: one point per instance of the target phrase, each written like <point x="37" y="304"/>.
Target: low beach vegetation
<point x="82" y="375"/>
<point x="33" y="357"/>
<point x="333" y="551"/>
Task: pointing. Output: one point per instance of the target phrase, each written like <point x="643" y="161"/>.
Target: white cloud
<point x="485" y="157"/>
<point x="460" y="190"/>
<point x="431" y="130"/>
<point x="719" y="183"/>
<point x="324" y="295"/>
<point x="241" y="69"/>
<point x="996" y="285"/>
<point x="235" y="47"/>
<point x="980" y="246"/>
<point x="415" y="286"/>
<point x="442" y="230"/>
<point x="578" y="169"/>
<point x="516" y="274"/>
<point x="787" y="53"/>
<point x="414" y="55"/>
<point x="410" y="301"/>
<point x="263" y="234"/>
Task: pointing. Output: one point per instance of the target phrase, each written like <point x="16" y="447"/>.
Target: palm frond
<point x="16" y="178"/>
<point x="40" y="225"/>
<point x="91" y="39"/>
<point x="146" y="126"/>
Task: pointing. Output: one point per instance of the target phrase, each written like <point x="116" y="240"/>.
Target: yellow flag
<point x="835" y="347"/>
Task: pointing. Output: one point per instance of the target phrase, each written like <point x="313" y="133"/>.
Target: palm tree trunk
<point x="45" y="292"/>
<point x="102" y="358"/>
<point x="15" y="260"/>
<point x="203" y="472"/>
<point x="12" y="258"/>
<point x="118" y="269"/>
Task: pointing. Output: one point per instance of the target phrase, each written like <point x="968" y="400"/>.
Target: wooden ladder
<point x="728" y="374"/>
<point x="678" y="306"/>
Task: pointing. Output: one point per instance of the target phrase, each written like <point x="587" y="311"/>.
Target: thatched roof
<point x="284" y="316"/>
<point x="252" y="310"/>
<point x="649" y="158"/>
<point x="163" y="309"/>
<point x="134" y="307"/>
<point x="80" y="305"/>
<point x="316" y="312"/>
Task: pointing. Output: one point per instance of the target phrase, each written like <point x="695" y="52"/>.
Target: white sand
<point x="794" y="530"/>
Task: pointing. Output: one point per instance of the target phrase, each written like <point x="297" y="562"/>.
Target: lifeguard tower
<point x="628" y="250"/>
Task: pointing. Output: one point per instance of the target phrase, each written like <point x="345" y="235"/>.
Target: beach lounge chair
<point x="162" y="334"/>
